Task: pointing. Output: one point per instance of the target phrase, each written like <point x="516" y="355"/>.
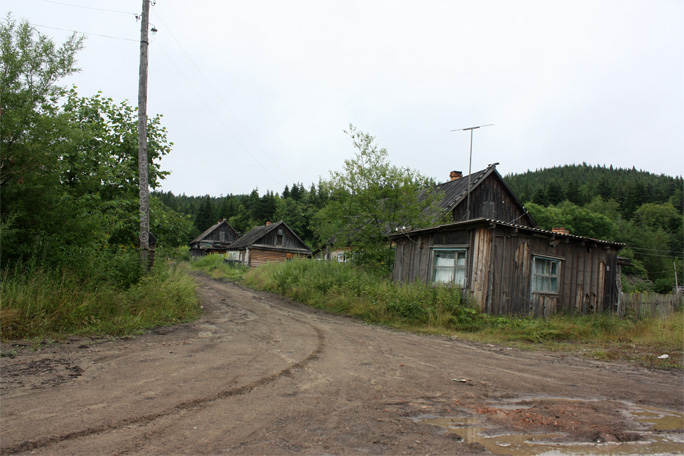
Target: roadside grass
<point x="350" y="290"/>
<point x="53" y="304"/>
<point x="216" y="268"/>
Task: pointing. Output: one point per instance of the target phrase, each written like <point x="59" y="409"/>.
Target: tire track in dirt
<point x="178" y="408"/>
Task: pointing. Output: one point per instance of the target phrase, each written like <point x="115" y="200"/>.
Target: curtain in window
<point x="444" y="266"/>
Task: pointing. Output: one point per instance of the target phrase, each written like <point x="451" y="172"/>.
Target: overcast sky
<point x="257" y="94"/>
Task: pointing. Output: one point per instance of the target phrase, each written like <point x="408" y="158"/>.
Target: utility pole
<point x="144" y="191"/>
<point x="470" y="162"/>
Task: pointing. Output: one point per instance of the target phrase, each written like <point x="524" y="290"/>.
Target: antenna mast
<point x="470" y="162"/>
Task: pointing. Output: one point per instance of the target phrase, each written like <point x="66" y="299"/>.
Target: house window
<point x="545" y="274"/>
<point x="449" y="266"/>
<point x="279" y="237"/>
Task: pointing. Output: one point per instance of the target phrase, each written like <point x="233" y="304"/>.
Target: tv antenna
<point x="470" y="161"/>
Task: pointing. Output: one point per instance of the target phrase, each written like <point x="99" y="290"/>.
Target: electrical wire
<point x="84" y="33"/>
<point x="89" y="7"/>
<point x="220" y="121"/>
<point x="167" y="28"/>
<point x="232" y="164"/>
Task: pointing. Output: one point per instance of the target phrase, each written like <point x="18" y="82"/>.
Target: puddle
<point x="655" y="441"/>
<point x="659" y="420"/>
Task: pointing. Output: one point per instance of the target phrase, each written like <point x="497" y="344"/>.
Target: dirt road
<point x="258" y="374"/>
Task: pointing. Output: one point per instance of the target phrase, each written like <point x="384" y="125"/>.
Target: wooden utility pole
<point x="144" y="238"/>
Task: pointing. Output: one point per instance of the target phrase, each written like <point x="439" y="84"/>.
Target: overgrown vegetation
<point x="216" y="268"/>
<point x="350" y="290"/>
<point x="69" y="203"/>
<point x="52" y="303"/>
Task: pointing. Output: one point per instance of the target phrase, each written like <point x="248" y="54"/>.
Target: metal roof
<point x="482" y="221"/>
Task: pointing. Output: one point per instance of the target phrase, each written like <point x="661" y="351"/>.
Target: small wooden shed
<point x="268" y="243"/>
<point x="510" y="269"/>
<point x="215" y="239"/>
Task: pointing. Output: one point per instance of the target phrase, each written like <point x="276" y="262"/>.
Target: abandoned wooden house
<point x="503" y="261"/>
<point x="482" y="194"/>
<point x="268" y="243"/>
<point x="215" y="239"/>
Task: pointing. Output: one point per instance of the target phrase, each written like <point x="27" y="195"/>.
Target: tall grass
<point x="216" y="268"/>
<point x="53" y="303"/>
<point x="350" y="290"/>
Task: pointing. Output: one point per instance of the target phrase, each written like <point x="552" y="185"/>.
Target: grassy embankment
<point x="55" y="303"/>
<point x="348" y="290"/>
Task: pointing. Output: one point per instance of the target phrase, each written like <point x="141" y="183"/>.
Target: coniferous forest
<point x="640" y="209"/>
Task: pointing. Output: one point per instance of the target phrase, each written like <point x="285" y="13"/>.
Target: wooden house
<point x="215" y="239"/>
<point x="482" y="194"/>
<point x="510" y="269"/>
<point x="268" y="243"/>
<point x="497" y="253"/>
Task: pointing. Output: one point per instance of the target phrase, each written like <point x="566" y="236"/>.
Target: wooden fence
<point x="644" y="305"/>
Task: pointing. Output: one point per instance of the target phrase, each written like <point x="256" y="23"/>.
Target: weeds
<point x="53" y="303"/>
<point x="216" y="268"/>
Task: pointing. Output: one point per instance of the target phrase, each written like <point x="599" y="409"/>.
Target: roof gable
<point x="259" y="236"/>
<point x="213" y="228"/>
<point x="453" y="195"/>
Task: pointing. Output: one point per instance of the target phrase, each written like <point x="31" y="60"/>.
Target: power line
<point x="650" y="250"/>
<point x="233" y="164"/>
<point x="219" y="95"/>
<point x="89" y="7"/>
<point x="84" y="33"/>
<point x="217" y="117"/>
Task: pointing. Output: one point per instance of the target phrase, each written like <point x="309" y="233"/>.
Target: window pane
<point x="443" y="275"/>
<point x="459" y="276"/>
<point x="444" y="259"/>
<point x="460" y="261"/>
<point x="545" y="276"/>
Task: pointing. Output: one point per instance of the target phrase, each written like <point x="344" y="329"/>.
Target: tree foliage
<point x="69" y="164"/>
<point x="368" y="199"/>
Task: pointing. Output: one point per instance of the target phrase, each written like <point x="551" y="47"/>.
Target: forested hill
<point x="580" y="184"/>
<point x="640" y="209"/>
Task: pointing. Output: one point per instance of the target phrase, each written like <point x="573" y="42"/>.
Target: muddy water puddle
<point x="663" y="435"/>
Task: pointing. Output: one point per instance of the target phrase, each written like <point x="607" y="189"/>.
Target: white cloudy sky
<point x="256" y="94"/>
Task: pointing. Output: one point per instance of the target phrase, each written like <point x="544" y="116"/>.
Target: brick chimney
<point x="560" y="230"/>
<point x="455" y="175"/>
<point x="268" y="223"/>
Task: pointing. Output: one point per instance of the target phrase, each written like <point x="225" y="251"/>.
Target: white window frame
<point x="454" y="268"/>
<point x="549" y="280"/>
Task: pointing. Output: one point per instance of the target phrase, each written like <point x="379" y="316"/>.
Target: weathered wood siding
<point x="491" y="200"/>
<point x="499" y="268"/>
<point x="587" y="282"/>
<point x="289" y="241"/>
<point x="222" y="234"/>
<point x="258" y="257"/>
